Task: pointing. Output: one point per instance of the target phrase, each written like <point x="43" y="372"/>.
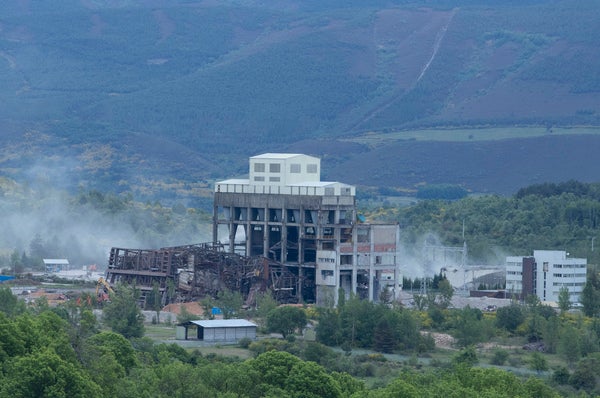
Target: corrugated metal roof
<point x="223" y="323"/>
<point x="56" y="261"/>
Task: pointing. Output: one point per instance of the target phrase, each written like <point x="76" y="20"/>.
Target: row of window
<point x="295" y="168"/>
<point x="514" y="273"/>
<point x="568" y="284"/>
<point x="569" y="275"/>
<point x="569" y="266"/>
<point x="271" y="179"/>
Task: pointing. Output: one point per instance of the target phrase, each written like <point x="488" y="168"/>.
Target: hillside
<point x="162" y="98"/>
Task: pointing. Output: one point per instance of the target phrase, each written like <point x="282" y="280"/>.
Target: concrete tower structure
<point x="284" y="211"/>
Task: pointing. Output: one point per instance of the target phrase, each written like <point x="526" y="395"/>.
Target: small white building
<point x="216" y="330"/>
<point x="544" y="274"/>
<point x="56" y="265"/>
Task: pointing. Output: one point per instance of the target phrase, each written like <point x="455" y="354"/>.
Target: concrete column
<point x="371" y="262"/>
<point x="397" y="273"/>
<point x="215" y="227"/>
<point x="283" y="235"/>
<point x="266" y="232"/>
<point x="354" y="275"/>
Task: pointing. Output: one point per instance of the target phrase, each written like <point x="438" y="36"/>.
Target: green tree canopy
<point x="45" y="374"/>
<point x="122" y="314"/>
<point x="286" y="320"/>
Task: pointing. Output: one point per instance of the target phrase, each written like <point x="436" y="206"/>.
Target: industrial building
<point x="544" y="274"/>
<point x="217" y="330"/>
<point x="284" y="212"/>
<point x="56" y="264"/>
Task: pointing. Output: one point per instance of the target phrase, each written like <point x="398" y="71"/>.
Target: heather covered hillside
<point x="160" y="98"/>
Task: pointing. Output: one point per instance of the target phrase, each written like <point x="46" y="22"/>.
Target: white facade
<point x="281" y="169"/>
<point x="555" y="270"/>
<point x="547" y="273"/>
<point x="286" y="174"/>
<point x="514" y="275"/>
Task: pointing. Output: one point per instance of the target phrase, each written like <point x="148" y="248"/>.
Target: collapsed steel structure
<point x="191" y="272"/>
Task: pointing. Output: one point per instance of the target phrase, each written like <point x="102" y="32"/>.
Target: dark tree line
<point x="561" y="216"/>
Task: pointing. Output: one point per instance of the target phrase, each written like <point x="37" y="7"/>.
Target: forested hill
<point x="161" y="97"/>
<point x="562" y="216"/>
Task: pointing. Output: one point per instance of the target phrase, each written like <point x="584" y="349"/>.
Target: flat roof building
<point x="56" y="265"/>
<point x="544" y="274"/>
<point x="216" y="330"/>
<point x="283" y="211"/>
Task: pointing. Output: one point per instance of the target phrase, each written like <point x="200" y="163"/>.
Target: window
<point x="259" y="178"/>
<point x="329" y="191"/>
<point x="345" y="259"/>
<point x="274" y="179"/>
<point x="311" y="168"/>
<point x="295" y="168"/>
<point x="346" y="191"/>
<point x="326" y="273"/>
<point x="259" y="167"/>
<point x="274" y="168"/>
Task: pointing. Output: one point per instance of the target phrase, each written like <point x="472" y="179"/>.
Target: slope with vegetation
<point x="563" y="216"/>
<point x="161" y="98"/>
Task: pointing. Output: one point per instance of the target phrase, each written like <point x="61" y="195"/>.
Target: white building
<point x="217" y="330"/>
<point x="544" y="274"/>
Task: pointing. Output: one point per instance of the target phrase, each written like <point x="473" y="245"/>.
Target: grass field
<point x="373" y="139"/>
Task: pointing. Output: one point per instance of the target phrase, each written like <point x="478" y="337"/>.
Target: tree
<point x="122" y="314"/>
<point x="585" y="374"/>
<point x="46" y="374"/>
<point x="470" y="326"/>
<point x="155" y="301"/>
<point x="117" y="345"/>
<point x="328" y="328"/>
<point x="9" y="303"/>
<point x="569" y="345"/>
<point x="286" y="320"/>
<point x="509" y="317"/>
<point x="383" y="337"/>
<point x="309" y="380"/>
<point x="265" y="303"/>
<point x="538" y="362"/>
<point x="467" y="356"/>
<point x="564" y="299"/>
<point x="446" y="291"/>
<point x="16" y="262"/>
<point x="184" y="315"/>
<point x="590" y="296"/>
<point x="499" y="357"/>
<point x="230" y="302"/>
<point x="551" y="334"/>
<point x="274" y="367"/>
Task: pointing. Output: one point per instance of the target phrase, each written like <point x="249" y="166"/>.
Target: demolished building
<point x="191" y="272"/>
<point x="281" y="229"/>
<point x="284" y="212"/>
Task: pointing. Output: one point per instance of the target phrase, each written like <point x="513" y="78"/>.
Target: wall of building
<point x="544" y="274"/>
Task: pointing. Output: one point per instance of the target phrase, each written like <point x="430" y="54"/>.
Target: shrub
<point x="499" y="357"/>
